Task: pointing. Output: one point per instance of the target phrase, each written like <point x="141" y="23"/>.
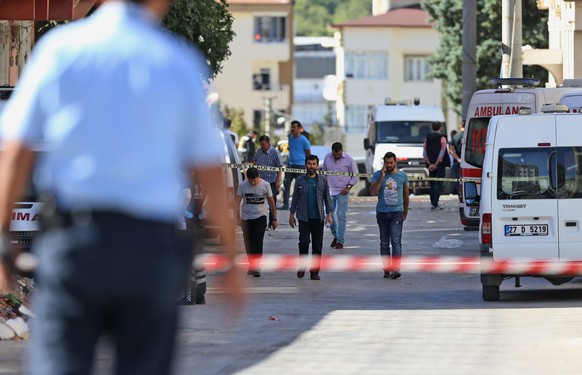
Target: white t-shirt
<point x="254" y="199"/>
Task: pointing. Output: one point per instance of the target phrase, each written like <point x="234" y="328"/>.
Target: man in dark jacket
<point x="312" y="203"/>
<point x="437" y="159"/>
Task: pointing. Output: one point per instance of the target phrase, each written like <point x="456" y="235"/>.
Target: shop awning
<point x="45" y="10"/>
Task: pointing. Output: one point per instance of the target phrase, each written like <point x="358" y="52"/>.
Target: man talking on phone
<point x="391" y="186"/>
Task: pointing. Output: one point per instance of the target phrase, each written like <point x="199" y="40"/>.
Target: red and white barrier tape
<point x="428" y="264"/>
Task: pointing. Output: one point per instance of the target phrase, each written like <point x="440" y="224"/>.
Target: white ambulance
<point x="515" y="95"/>
<point x="531" y="194"/>
<point x="25" y="215"/>
<point x="401" y="127"/>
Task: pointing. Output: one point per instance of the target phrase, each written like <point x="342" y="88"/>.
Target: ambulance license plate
<point x="526" y="230"/>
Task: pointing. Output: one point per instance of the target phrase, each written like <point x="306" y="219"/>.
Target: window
<point x="366" y="65"/>
<point x="356" y="118"/>
<point x="262" y="81"/>
<point x="402" y="131"/>
<point x="540" y="173"/>
<point x="476" y="135"/>
<point x="416" y="68"/>
<point x="270" y="29"/>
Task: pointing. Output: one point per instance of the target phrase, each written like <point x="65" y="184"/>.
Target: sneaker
<point x="300" y="274"/>
<point x="395" y="275"/>
<point x="339" y="246"/>
<point x="250" y="273"/>
<point x="387" y="275"/>
<point x="283" y="207"/>
<point x="434" y="208"/>
<point x="256" y="274"/>
<point x="314" y="276"/>
<point x="333" y="243"/>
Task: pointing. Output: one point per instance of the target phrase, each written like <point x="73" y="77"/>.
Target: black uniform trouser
<point x="105" y="272"/>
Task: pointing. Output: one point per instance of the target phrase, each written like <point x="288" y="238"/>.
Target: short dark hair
<point x="436" y="126"/>
<point x="312" y="157"/>
<point x="227" y="123"/>
<point x="295" y="122"/>
<point x="389" y="155"/>
<point x="337" y="147"/>
<point x="265" y="138"/>
<point x="252" y="173"/>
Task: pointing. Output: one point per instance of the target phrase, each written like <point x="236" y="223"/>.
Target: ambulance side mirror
<point x="470" y="193"/>
<point x="366" y="143"/>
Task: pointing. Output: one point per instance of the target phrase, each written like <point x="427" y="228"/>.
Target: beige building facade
<point x="259" y="70"/>
<point x="383" y="56"/>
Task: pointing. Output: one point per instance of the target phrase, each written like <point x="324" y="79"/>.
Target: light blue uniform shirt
<point x="118" y="104"/>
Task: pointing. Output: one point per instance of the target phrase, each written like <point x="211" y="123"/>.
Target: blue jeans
<point x="390" y="225"/>
<point x="339" y="206"/>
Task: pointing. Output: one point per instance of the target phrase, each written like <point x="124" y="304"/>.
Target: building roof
<point x="399" y="17"/>
<point x="258" y="1"/>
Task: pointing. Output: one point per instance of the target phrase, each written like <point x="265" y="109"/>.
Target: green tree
<point x="207" y="24"/>
<point x="314" y="16"/>
<point x="446" y="63"/>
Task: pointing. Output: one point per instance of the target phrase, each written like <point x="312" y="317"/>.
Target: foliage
<point x="446" y="63"/>
<point x="316" y="134"/>
<point x="314" y="16"/>
<point x="206" y="24"/>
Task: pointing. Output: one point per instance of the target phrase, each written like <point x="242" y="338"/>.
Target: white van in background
<point x="401" y="127"/>
<point x="531" y="193"/>
<point x="515" y="95"/>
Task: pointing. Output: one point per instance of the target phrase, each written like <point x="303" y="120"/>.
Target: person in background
<point x="302" y="130"/>
<point x="249" y="146"/>
<point x="254" y="193"/>
<point x="339" y="188"/>
<point x="299" y="149"/>
<point x="118" y="105"/>
<point x="391" y="186"/>
<point x="227" y="123"/>
<point x="267" y="156"/>
<point x="455" y="149"/>
<point x="312" y="204"/>
<point x="437" y="159"/>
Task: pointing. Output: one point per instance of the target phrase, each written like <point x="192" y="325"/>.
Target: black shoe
<point x="395" y="275"/>
<point x="283" y="207"/>
<point x="200" y="300"/>
<point x="334" y="242"/>
<point x="314" y="276"/>
<point x="250" y="273"/>
<point x="300" y="274"/>
<point x="387" y="274"/>
<point x="256" y="274"/>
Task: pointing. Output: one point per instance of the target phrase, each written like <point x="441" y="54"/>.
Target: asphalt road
<point x="350" y="323"/>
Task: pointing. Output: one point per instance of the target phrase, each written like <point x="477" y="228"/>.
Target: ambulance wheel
<point x="490" y="292"/>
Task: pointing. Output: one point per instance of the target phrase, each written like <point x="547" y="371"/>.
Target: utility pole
<point x="511" y="39"/>
<point x="469" y="66"/>
<point x="268" y="102"/>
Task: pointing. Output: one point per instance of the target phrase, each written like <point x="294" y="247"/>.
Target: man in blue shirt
<point x="391" y="186"/>
<point x="299" y="149"/>
<point x="118" y="105"/>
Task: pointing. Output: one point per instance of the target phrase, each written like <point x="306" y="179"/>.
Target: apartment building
<point x="379" y="56"/>
<point x="259" y="71"/>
